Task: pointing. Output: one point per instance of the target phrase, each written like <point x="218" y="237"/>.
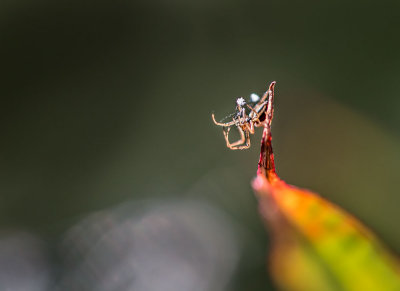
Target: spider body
<point x="246" y="117"/>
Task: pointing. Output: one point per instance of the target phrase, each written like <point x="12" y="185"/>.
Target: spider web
<point x="228" y="116"/>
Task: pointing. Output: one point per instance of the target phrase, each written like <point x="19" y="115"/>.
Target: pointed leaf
<point x="316" y="245"/>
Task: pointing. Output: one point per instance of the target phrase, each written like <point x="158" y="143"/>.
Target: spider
<point x="248" y="115"/>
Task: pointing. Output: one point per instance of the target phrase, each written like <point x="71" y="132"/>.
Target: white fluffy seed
<point x="254" y="97"/>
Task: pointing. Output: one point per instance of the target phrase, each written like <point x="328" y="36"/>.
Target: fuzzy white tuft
<point x="240" y="101"/>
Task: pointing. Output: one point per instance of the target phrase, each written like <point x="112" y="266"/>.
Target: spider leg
<point x="263" y="105"/>
<point x="227" y="124"/>
<point x="241" y="116"/>
<point x="247" y="144"/>
<point x="259" y="123"/>
<point x="252" y="109"/>
<point x="233" y="146"/>
<point x="264" y="97"/>
<point x="250" y="126"/>
<point x="258" y="110"/>
<point x="268" y="92"/>
<point x="226" y="136"/>
<point x="241" y="140"/>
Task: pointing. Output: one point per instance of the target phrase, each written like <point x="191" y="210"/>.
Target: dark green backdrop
<point x="105" y="102"/>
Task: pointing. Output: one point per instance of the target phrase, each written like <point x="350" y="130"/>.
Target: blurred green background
<point x="105" y="102"/>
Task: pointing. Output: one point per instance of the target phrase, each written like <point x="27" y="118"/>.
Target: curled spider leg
<point x="242" y="143"/>
<point x="246" y="145"/>
<point x="241" y="140"/>
<point x="226" y="136"/>
<point x="222" y="124"/>
<point x="232" y="146"/>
